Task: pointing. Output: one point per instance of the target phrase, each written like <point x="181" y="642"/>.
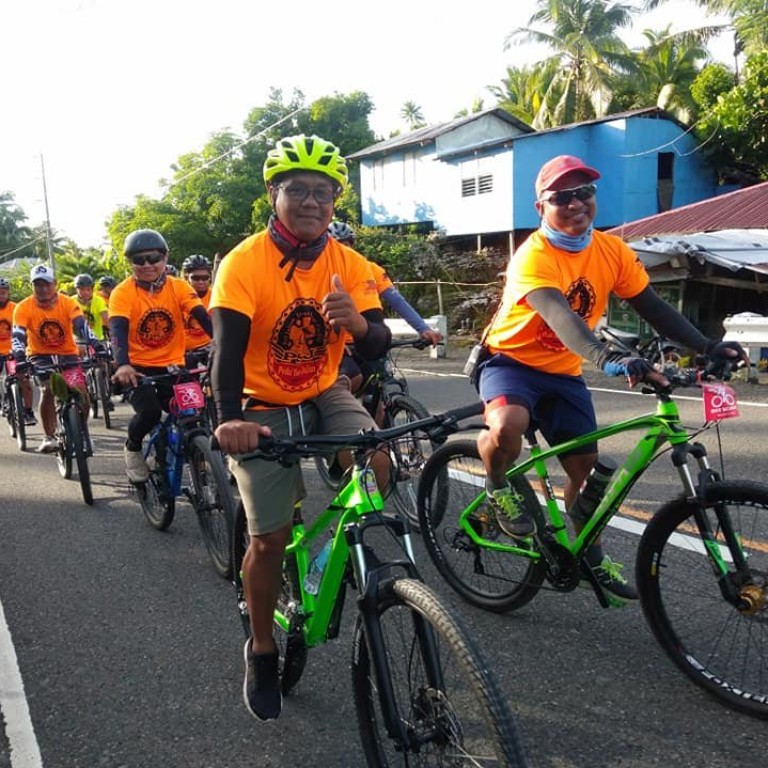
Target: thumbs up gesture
<point x="340" y="311"/>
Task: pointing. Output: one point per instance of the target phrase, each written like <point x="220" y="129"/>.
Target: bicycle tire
<point x="323" y="467"/>
<point x="158" y="506"/>
<point x="453" y="479"/>
<point x="77" y="431"/>
<point x="102" y="394"/>
<point x="64" y="455"/>
<point x="93" y="392"/>
<point x="410" y="454"/>
<point x="722" y="649"/>
<point x="461" y="719"/>
<point x="291" y="647"/>
<point x="213" y="502"/>
<point x="18" y="415"/>
<point x="9" y="404"/>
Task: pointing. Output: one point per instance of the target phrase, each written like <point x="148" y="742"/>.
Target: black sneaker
<point x="29" y="418"/>
<point x="613" y="584"/>
<point x="512" y="518"/>
<point x="261" y="688"/>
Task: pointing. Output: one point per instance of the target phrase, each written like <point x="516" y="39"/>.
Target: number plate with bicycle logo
<point x="719" y="402"/>
<point x="75" y="377"/>
<point x="189" y="394"/>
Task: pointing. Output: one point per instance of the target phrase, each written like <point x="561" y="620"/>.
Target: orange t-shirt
<point x="6" y="323"/>
<point x="195" y="336"/>
<point x="586" y="279"/>
<point x="382" y="280"/>
<point x="155" y="320"/>
<point x="49" y="331"/>
<point x="293" y="353"/>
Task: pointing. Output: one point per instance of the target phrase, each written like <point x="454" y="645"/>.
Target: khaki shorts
<point x="268" y="489"/>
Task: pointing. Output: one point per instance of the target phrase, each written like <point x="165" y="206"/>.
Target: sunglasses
<point x="564" y="196"/>
<point x="147" y="258"/>
<point x="199" y="278"/>
<point x="323" y="195"/>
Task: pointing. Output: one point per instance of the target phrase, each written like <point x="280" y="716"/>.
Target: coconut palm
<point x="412" y="114"/>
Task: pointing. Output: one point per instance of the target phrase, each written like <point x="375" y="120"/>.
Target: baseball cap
<point x="42" y="272"/>
<point x="557" y="167"/>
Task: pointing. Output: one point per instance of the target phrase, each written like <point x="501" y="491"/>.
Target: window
<point x="477" y="185"/>
<point x="485" y="184"/>
<point x="468" y="187"/>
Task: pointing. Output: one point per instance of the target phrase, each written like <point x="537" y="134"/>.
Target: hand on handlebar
<point x="433" y="337"/>
<point x="724" y="357"/>
<point x="636" y="369"/>
<point x="238" y="436"/>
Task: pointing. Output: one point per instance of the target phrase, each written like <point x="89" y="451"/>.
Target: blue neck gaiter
<point x="572" y="243"/>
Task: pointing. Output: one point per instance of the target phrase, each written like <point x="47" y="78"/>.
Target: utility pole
<point x="48" y="239"/>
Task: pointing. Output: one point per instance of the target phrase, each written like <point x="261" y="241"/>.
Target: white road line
<point x="25" y="752"/>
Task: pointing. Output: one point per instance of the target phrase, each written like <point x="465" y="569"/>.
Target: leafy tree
<point x="524" y="90"/>
<point x="712" y="81"/>
<point x="587" y="52"/>
<point x="413" y="115"/>
<point x="13" y="233"/>
<point x="735" y="131"/>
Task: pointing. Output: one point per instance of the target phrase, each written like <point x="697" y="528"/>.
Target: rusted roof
<point x="743" y="209"/>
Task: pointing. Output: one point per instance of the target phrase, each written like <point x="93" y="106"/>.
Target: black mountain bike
<point x="12" y="401"/>
<point x="385" y="392"/>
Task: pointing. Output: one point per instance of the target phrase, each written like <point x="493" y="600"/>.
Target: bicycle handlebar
<point x="436" y="427"/>
<point x="416" y="343"/>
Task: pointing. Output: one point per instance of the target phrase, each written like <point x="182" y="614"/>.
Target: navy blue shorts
<point x="560" y="406"/>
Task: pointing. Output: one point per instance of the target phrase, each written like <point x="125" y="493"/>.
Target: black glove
<point x="632" y="367"/>
<point x="724" y="357"/>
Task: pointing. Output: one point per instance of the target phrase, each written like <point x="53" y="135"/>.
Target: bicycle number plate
<point x="10" y="366"/>
<point x="719" y="402"/>
<point x="189" y="394"/>
<point x="75" y="377"/>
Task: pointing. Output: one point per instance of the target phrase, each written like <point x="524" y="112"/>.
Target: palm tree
<point x="413" y="116"/>
<point x="523" y="91"/>
<point x="587" y="54"/>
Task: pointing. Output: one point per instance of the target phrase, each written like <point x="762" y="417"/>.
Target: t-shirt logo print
<point x="5" y="330"/>
<point x="298" y="349"/>
<point x="155" y="329"/>
<point x="52" y="334"/>
<point x="581" y="298"/>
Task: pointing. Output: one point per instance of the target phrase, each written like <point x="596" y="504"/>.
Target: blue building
<point x="472" y="178"/>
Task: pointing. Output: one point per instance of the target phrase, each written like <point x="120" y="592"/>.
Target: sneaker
<point x="261" y="687"/>
<point x="48" y="445"/>
<point x="135" y="466"/>
<point x="29" y="418"/>
<point x="110" y="405"/>
<point x="613" y="584"/>
<point x="510" y="515"/>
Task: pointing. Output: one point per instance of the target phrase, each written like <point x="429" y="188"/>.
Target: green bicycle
<point x="702" y="560"/>
<point x="423" y="694"/>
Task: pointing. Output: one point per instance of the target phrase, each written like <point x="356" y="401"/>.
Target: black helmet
<point x="83" y="281"/>
<point x="107" y="281"/>
<point x="4" y="283"/>
<point x="144" y="240"/>
<point x="195" y="261"/>
<point x="341" y="231"/>
<point x="171" y="270"/>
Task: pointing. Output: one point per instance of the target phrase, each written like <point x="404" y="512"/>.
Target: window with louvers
<point x="468" y="187"/>
<point x="485" y="184"/>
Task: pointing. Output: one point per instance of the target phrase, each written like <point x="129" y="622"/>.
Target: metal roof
<point x="743" y="209"/>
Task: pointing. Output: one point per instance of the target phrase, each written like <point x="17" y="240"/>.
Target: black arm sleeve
<point x="376" y="341"/>
<point x="667" y="321"/>
<point x="201" y="315"/>
<point x="569" y="327"/>
<point x="118" y="334"/>
<point x="231" y="331"/>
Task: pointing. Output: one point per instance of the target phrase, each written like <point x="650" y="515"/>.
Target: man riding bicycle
<point x="6" y="323"/>
<point x="282" y="303"/>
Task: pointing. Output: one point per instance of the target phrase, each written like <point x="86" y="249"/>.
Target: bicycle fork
<point x="731" y="583"/>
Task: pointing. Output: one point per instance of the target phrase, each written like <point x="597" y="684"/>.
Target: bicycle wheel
<point x="158" y="506"/>
<point x="327" y="470"/>
<point x="9" y="410"/>
<point x="448" y="703"/>
<point x="213" y="502"/>
<point x="18" y="415"/>
<point x="409" y="455"/>
<point x="64" y="438"/>
<point x="76" y="432"/>
<point x="102" y="395"/>
<point x="451" y="499"/>
<point x="93" y="391"/>
<point x="722" y="647"/>
<point x="291" y="646"/>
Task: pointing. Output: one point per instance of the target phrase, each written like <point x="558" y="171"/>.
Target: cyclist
<point x="45" y="326"/>
<point x="282" y="301"/>
<point x="93" y="307"/>
<point x="6" y="322"/>
<point x="557" y="287"/>
<point x="351" y="366"/>
<point x="107" y="284"/>
<point x="196" y="270"/>
<point x="146" y="325"/>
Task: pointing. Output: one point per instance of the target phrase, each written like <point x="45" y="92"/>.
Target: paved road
<point x="129" y="649"/>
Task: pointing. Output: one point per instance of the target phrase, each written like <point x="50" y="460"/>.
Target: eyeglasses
<point x="563" y="197"/>
<point x="147" y="258"/>
<point x="199" y="278"/>
<point x="323" y="195"/>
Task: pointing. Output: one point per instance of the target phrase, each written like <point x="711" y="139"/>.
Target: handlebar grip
<point x="465" y="411"/>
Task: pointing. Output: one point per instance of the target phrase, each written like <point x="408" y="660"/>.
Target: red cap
<point x="557" y="167"/>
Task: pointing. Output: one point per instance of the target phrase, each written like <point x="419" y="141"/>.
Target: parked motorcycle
<point x="663" y="354"/>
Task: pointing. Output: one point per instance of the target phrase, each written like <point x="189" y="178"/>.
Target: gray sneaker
<point x="510" y="513"/>
<point x="48" y="445"/>
<point x="135" y="466"/>
<point x="616" y="589"/>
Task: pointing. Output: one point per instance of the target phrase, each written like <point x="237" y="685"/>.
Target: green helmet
<point x="306" y="153"/>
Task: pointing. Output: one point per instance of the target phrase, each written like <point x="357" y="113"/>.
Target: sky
<point x="101" y="96"/>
